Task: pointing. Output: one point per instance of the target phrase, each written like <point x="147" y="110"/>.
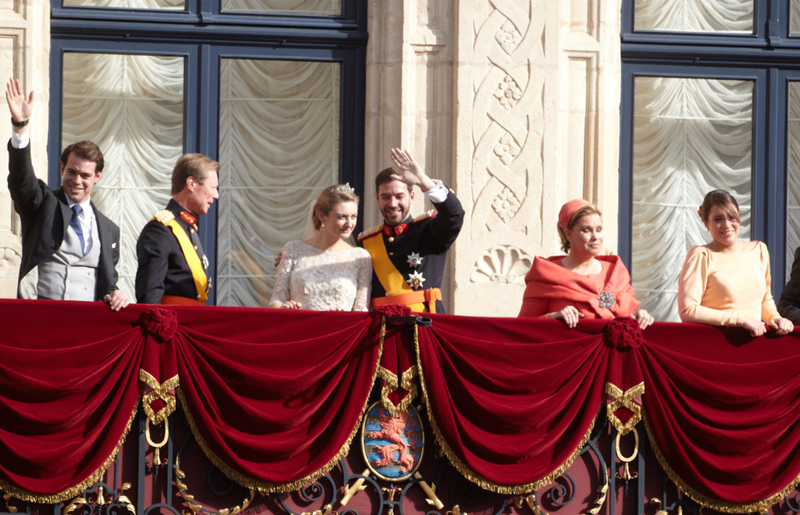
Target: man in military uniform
<point x="173" y="269"/>
<point x="408" y="255"/>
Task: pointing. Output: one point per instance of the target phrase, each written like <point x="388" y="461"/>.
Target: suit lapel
<point x="66" y="212"/>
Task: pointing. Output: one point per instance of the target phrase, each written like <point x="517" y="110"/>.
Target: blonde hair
<point x="580" y="213"/>
<point x="329" y="198"/>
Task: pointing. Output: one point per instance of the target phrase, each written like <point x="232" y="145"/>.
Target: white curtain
<point x="794" y="18"/>
<point x="131" y="106"/>
<point x="129" y="4"/>
<point x="690" y="136"/>
<point x="317" y="7"/>
<point x="793" y="176"/>
<point x="695" y="15"/>
<point x="279" y="147"/>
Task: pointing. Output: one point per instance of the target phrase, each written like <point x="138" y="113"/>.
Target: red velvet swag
<point x="274" y="397"/>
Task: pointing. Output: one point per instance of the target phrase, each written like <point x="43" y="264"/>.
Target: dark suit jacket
<point x="45" y="216"/>
<point x="789" y="305"/>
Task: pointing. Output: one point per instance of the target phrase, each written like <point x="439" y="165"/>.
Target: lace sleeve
<point x="280" y="290"/>
<point x="364" y="288"/>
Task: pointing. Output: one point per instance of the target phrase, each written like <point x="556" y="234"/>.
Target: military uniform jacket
<point x="163" y="269"/>
<point x="45" y="216"/>
<point x="429" y="236"/>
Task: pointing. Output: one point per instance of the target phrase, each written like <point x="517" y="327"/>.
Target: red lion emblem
<point x="392" y="429"/>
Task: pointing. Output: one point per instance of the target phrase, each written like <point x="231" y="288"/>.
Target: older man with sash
<point x="173" y="269"/>
<point x="409" y="254"/>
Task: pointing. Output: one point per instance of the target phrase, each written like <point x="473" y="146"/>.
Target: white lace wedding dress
<point x="321" y="280"/>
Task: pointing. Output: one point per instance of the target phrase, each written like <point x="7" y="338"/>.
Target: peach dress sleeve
<point x="721" y="289"/>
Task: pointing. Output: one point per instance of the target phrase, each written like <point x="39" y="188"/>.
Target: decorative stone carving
<point x="508" y="92"/>
<point x="502" y="264"/>
<point x="508" y="36"/>
<point x="506" y="205"/>
<point x="536" y="124"/>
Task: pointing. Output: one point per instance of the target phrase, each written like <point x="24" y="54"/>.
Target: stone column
<point x="536" y="124"/>
<point x="25" y="47"/>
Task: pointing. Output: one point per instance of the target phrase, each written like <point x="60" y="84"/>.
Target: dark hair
<point x="584" y="211"/>
<point x="191" y="165"/>
<point x="387" y="175"/>
<point x="85" y="150"/>
<point x="329" y="198"/>
<point x="719" y="198"/>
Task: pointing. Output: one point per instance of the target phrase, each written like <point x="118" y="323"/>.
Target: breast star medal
<point x="415" y="280"/>
<point x="414" y="260"/>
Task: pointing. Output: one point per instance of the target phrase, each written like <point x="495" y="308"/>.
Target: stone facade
<point x="25" y="47"/>
<point x="513" y="103"/>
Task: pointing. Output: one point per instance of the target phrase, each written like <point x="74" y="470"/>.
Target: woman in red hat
<point x="584" y="283"/>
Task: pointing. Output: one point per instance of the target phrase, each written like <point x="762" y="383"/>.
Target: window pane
<point x="794" y="18"/>
<point x="131" y="106"/>
<point x="279" y="147"/>
<point x="691" y="136"/>
<point x="793" y="176"/>
<point x="735" y="16"/>
<point x="129" y="4"/>
<point x="317" y="7"/>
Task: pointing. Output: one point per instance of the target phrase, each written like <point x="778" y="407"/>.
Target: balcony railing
<point x="242" y="411"/>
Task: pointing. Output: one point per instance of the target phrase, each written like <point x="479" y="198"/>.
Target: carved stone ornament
<point x="503" y="264"/>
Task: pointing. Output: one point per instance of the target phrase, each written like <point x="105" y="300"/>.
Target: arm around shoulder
<point x="364" y="286"/>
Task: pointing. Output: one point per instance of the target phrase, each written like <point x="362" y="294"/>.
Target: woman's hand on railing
<point x="570" y="315"/>
<point x="782" y="325"/>
<point x="644" y="318"/>
<point x="755" y="327"/>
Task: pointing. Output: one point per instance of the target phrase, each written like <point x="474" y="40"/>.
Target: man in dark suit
<point x="74" y="247"/>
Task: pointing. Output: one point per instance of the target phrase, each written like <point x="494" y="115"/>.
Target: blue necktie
<point x="76" y="225"/>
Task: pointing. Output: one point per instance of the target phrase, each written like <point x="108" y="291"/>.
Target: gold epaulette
<point x="372" y="232"/>
<point x="425" y="216"/>
<point x="164" y="216"/>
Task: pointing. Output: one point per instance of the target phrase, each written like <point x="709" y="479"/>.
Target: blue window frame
<point x="203" y="34"/>
<point x="770" y="57"/>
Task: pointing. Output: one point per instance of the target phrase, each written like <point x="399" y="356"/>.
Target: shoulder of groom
<point x="425" y="216"/>
<point x="371" y="232"/>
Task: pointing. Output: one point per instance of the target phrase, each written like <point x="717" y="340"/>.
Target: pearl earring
<point x="323" y="224"/>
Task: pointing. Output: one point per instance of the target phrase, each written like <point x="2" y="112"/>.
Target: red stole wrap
<point x="549" y="280"/>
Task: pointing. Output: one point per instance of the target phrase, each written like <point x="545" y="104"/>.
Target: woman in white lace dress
<point x="325" y="272"/>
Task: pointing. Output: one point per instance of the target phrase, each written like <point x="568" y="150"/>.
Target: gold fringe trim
<point x="406" y="383"/>
<point x="160" y="391"/>
<point x="709" y="502"/>
<point x="473" y="476"/>
<point x="265" y="487"/>
<point x="624" y="399"/>
<point x="72" y="492"/>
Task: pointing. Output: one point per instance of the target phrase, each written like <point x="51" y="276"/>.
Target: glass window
<point x="793" y="174"/>
<point x="132" y="107"/>
<point x="724" y="16"/>
<point x="315" y="7"/>
<point x="129" y="4"/>
<point x="690" y="136"/>
<point x="279" y="147"/>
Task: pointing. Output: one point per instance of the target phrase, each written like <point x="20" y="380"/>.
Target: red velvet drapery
<point x="275" y="397"/>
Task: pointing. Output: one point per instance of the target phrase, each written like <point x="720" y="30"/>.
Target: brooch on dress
<point x="607" y="299"/>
